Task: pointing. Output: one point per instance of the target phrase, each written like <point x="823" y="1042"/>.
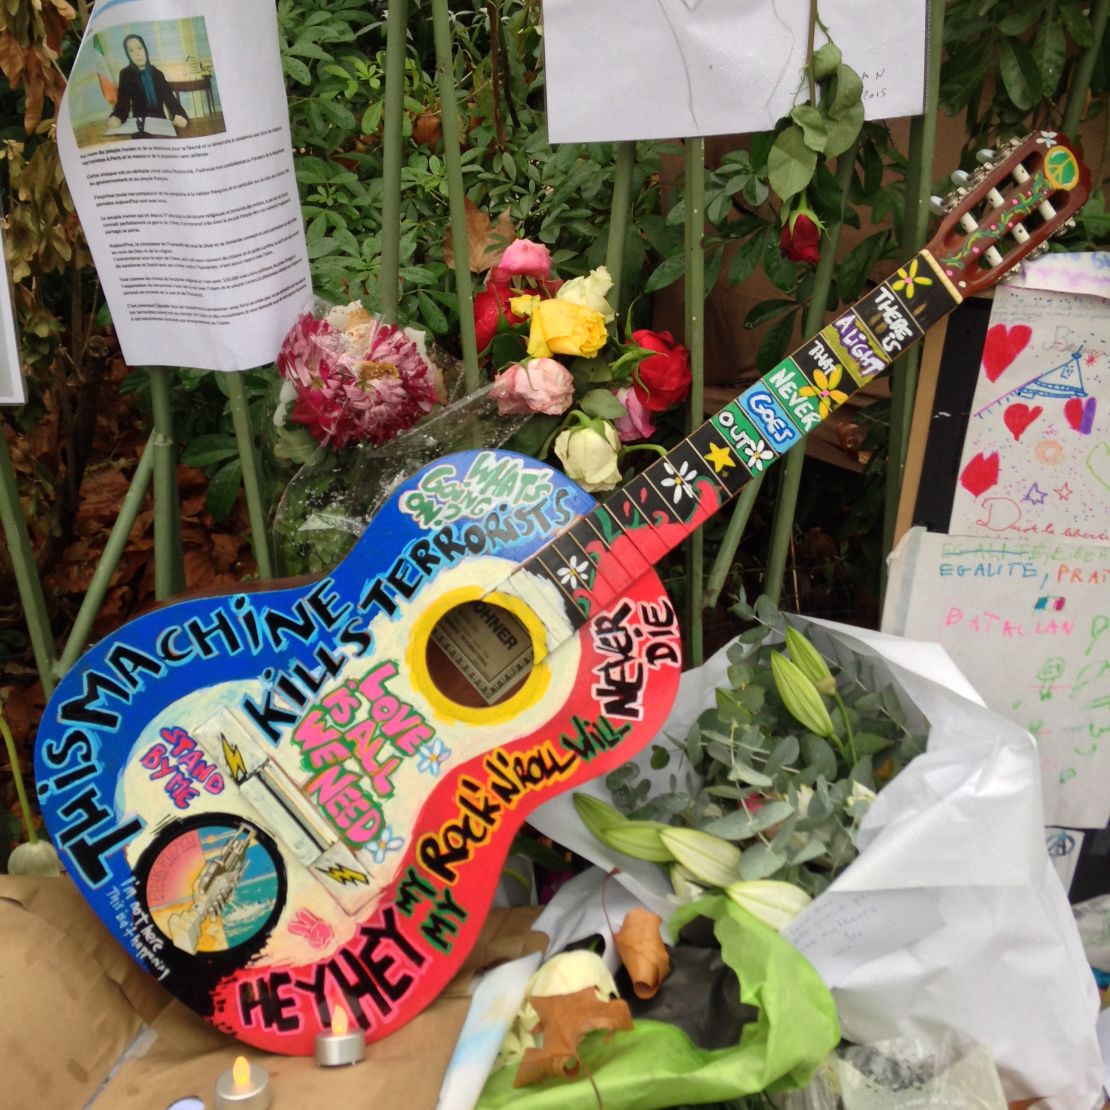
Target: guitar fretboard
<point x="595" y="559"/>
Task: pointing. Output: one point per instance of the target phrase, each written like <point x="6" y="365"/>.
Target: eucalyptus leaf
<point x="760" y="861"/>
<point x="742" y="772"/>
<point x="790" y="163"/>
<point x="743" y="824"/>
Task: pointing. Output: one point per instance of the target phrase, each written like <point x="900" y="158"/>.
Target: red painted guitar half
<point x="285" y="801"/>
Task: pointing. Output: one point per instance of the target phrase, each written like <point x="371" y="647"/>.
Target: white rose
<point x="590" y="292"/>
<point x="589" y="455"/>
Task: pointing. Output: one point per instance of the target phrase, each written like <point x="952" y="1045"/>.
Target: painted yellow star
<point x="720" y="457"/>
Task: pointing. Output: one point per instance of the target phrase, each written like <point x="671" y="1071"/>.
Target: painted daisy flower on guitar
<point x="354" y="378"/>
<point x="680" y="481"/>
<point x="432" y="755"/>
<point x="384" y="843"/>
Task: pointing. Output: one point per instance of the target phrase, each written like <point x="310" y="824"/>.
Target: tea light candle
<point x="339" y="1045"/>
<point x="245" y="1087"/>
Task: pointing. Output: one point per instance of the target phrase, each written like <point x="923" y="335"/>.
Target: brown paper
<point x="81" y="1023"/>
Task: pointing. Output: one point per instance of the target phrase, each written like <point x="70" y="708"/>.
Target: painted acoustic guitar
<point x="283" y="802"/>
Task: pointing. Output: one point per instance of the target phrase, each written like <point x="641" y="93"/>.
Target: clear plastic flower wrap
<point x="363" y="404"/>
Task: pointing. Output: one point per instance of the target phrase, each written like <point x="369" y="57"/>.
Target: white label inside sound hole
<point x="488" y="645"/>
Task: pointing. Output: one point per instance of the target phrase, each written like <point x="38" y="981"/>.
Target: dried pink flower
<point x="366" y="382"/>
<point x="636" y="423"/>
<point x="543" y="385"/>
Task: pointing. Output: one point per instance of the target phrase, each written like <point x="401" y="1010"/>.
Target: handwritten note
<point x="1079" y="272"/>
<point x="841" y="932"/>
<point x="713" y="67"/>
<point x="1028" y="622"/>
<point x="1036" y="457"/>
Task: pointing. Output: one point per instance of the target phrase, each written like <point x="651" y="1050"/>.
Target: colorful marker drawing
<point x="1041" y="434"/>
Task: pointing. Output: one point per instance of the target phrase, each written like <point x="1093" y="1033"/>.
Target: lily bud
<point x="800" y="696"/>
<point x="809" y="661"/>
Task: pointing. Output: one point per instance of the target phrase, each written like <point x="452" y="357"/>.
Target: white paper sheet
<point x="1036" y="455"/>
<point x="657" y="69"/>
<point x="1085" y="272"/>
<point x="1028" y="622"/>
<point x="193" y="221"/>
<point x="12" y="391"/>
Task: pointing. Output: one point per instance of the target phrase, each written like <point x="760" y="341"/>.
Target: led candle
<point x="245" y="1087"/>
<point x="339" y="1045"/>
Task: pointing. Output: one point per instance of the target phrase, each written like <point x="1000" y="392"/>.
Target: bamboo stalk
<point x="1081" y="82"/>
<point x="393" y="116"/>
<point x="618" y="219"/>
<point x="456" y="194"/>
<point x="782" y="528"/>
<point x="169" y="567"/>
<point x="903" y="377"/>
<point x="109" y="559"/>
<point x="26" y="572"/>
<point x="695" y="342"/>
<point x="17" y="776"/>
<point x="240" y="416"/>
<point x="730" y="542"/>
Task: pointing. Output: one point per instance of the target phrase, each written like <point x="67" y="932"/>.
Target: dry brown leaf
<point x="486" y="241"/>
<point x="642" y="951"/>
<point x="564" y="1020"/>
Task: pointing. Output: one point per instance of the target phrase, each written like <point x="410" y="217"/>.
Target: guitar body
<point x="283" y="801"/>
<point x="286" y="801"/>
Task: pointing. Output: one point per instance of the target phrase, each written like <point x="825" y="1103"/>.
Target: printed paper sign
<point x="658" y="69"/>
<point x="174" y="139"/>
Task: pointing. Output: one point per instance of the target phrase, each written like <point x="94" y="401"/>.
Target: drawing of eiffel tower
<point x="1059" y="383"/>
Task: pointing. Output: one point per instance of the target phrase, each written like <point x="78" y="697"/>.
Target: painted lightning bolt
<point x="345" y="875"/>
<point x="233" y="759"/>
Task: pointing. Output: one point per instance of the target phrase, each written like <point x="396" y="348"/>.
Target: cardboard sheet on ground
<point x="90" y="1028"/>
<point x="657" y="69"/>
<point x="174" y="139"/>
<point x="960" y="831"/>
<point x="1028" y="622"/>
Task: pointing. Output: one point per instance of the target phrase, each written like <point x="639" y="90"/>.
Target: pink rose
<point x="636" y="423"/>
<point x="523" y="258"/>
<point x="542" y="385"/>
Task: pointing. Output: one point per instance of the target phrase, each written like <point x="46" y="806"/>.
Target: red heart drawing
<point x="1080" y="413"/>
<point x="1003" y="345"/>
<point x="980" y="473"/>
<point x="1018" y="417"/>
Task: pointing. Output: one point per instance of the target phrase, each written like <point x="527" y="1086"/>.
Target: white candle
<point x="245" y="1087"/>
<point x="339" y="1045"/>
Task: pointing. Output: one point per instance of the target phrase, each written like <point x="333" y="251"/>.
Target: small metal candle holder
<point x="339" y="1045"/>
<point x="245" y="1086"/>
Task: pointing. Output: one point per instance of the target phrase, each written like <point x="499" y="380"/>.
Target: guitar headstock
<point x="1008" y="208"/>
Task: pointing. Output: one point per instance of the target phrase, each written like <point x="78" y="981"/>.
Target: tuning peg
<point x="985" y="156"/>
<point x="938" y="205"/>
<point x="961" y="178"/>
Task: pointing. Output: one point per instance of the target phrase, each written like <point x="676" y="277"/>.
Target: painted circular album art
<point x="213" y="886"/>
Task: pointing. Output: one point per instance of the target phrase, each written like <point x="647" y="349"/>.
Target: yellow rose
<point x="565" y="328"/>
<point x="590" y="291"/>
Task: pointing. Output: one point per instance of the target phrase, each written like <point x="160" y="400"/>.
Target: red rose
<point x="662" y="379"/>
<point x="800" y="239"/>
<point x="490" y="305"/>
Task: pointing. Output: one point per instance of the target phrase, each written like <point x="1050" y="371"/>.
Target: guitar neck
<point x="593" y="561"/>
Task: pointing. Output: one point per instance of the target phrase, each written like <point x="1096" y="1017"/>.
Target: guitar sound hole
<point x="479" y="654"/>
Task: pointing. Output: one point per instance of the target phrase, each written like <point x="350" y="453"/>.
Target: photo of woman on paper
<point x="148" y="79"/>
<point x="143" y="90"/>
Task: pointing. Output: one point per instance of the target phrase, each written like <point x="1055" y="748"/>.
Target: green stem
<point x="903" y="377"/>
<point x="809" y="52"/>
<point x="456" y="194"/>
<point x="618" y="218"/>
<point x="393" y="116"/>
<point x="20" y="789"/>
<point x="695" y="342"/>
<point x="726" y="553"/>
<point x="1081" y="83"/>
<point x="240" y="416"/>
<point x="849" y="734"/>
<point x="169" y="567"/>
<point x="783" y="526"/>
<point x="26" y="572"/>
